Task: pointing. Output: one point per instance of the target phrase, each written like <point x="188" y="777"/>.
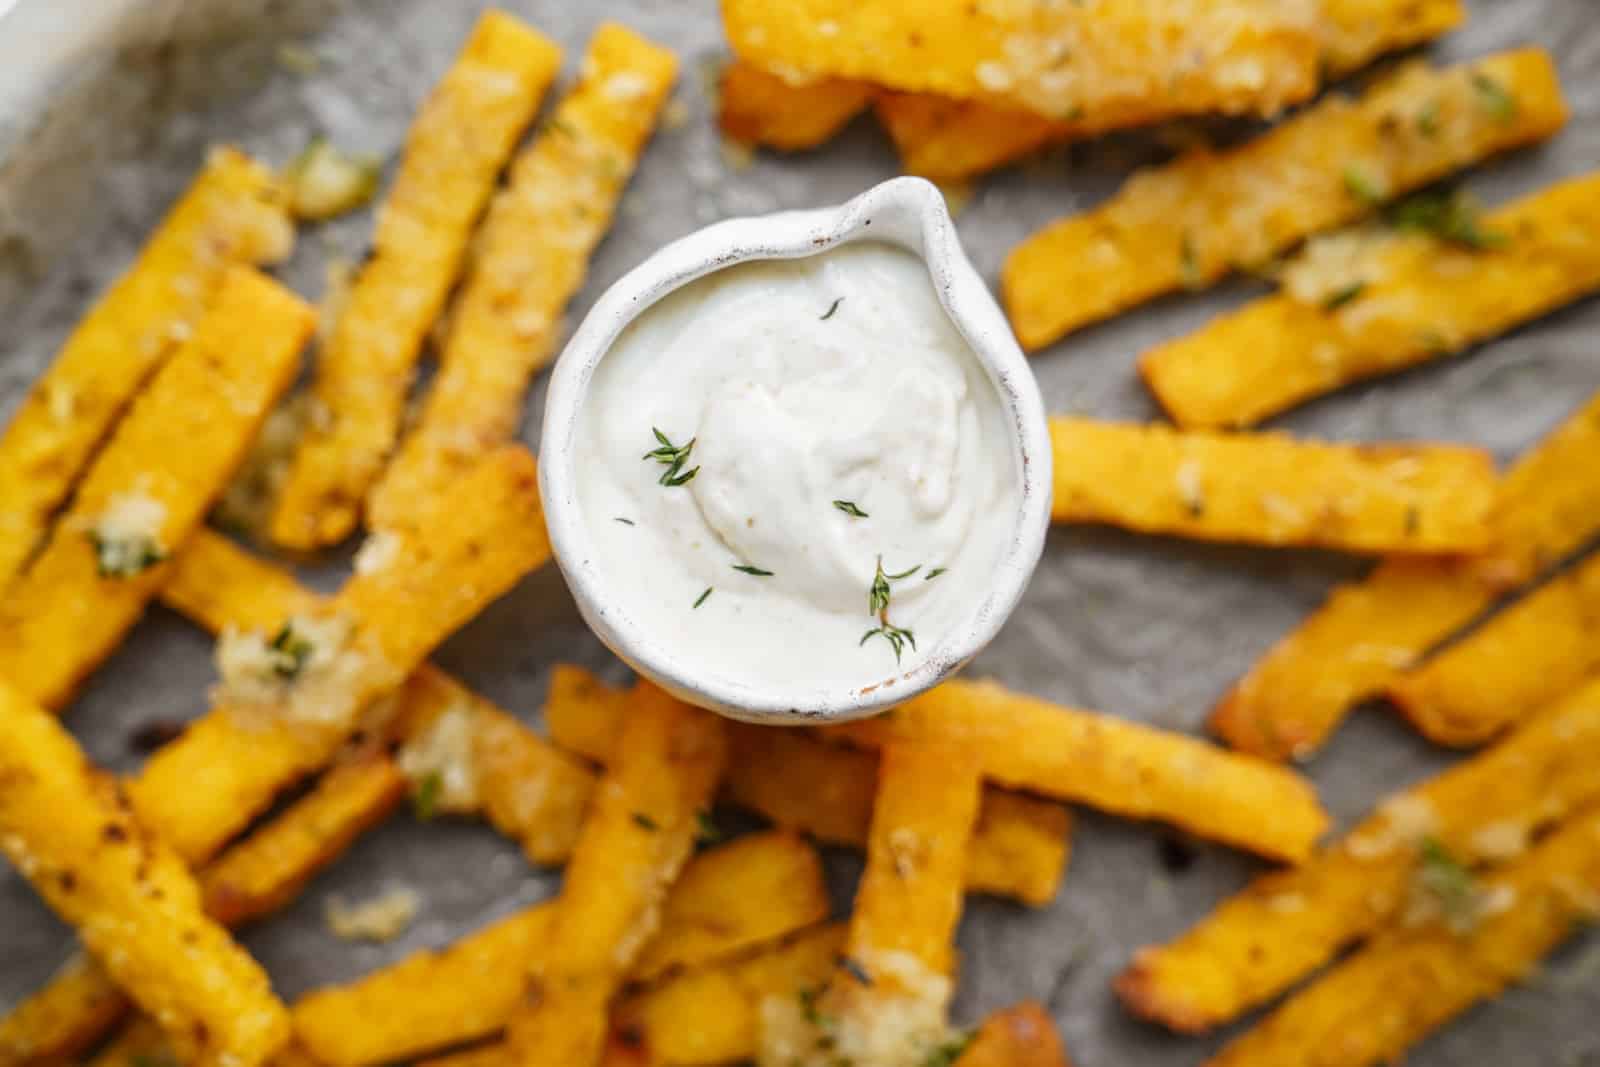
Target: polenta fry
<point x="1368" y="632"/>
<point x="714" y="1015"/>
<point x="459" y="142"/>
<point x="65" y="1018"/>
<point x="1287" y="924"/>
<point x="1372" y="1007"/>
<point x="266" y="870"/>
<point x="1411" y="299"/>
<point x="72" y="832"/>
<point x="529" y="260"/>
<point x="234" y="213"/>
<point x="1019" y="849"/>
<point x="758" y="108"/>
<point x="952" y="140"/>
<point x="1098" y="60"/>
<point x="139" y="1043"/>
<point x="1187" y="224"/>
<point x="467" y="991"/>
<point x="1528" y="655"/>
<point x="640" y="832"/>
<point x="1023" y="1036"/>
<point x="230" y="764"/>
<point x="1270" y="489"/>
<point x="1120" y="767"/>
<point x="150" y="486"/>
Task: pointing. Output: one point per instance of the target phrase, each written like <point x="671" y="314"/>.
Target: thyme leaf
<point x="826" y="315"/>
<point x="701" y="599"/>
<point x="673" y="457"/>
<point x="849" y="508"/>
<point x="745" y="568"/>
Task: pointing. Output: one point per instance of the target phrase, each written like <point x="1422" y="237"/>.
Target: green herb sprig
<point x="673" y="457"/>
<point x="878" y="597"/>
<point x="425" y="801"/>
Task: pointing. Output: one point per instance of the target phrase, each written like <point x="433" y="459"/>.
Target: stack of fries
<point x="668" y="946"/>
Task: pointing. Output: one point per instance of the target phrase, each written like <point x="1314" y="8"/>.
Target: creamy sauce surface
<point x="839" y="425"/>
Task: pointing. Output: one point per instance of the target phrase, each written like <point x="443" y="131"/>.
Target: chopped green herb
<point x="878" y="595"/>
<point x="946" y="1054"/>
<point x="124" y="557"/>
<point x="1344" y="295"/>
<point x="808" y="1007"/>
<point x="701" y="599"/>
<point x="931" y="575"/>
<point x="425" y="801"/>
<point x="1363" y="187"/>
<point x="706" y="830"/>
<point x="849" y="508"/>
<point x="1494" y="98"/>
<point x="826" y="315"/>
<point x="898" y="638"/>
<point x="745" y="568"/>
<point x="1189" y="263"/>
<point x="854" y="969"/>
<point x="625" y="522"/>
<point x="672" y="457"/>
<point x="1448" y="881"/>
<point x="1428" y="119"/>
<point x="291" y="652"/>
<point x="645" y="822"/>
<point x="1450" y="216"/>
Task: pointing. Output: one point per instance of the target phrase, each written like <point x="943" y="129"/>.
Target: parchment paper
<point x="1145" y="628"/>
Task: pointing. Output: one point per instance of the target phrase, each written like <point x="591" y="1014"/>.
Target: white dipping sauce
<point x="812" y="389"/>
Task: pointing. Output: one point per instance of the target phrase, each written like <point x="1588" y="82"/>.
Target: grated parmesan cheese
<point x="378" y="552"/>
<point x="897" y="1021"/>
<point x="383" y="918"/>
<point x="1502" y="840"/>
<point x="444" y="752"/>
<point x="307" y="672"/>
<point x="127" y="535"/>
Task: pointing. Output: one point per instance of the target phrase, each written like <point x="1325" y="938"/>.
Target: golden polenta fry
<point x="1368" y="632"/>
<point x="756" y="107"/>
<point x="271" y="727"/>
<point x="947" y="139"/>
<point x="458" y="144"/>
<point x="528" y="261"/>
<point x="141" y="1041"/>
<point x="65" y="1018"/>
<point x="1530" y="654"/>
<point x="72" y="833"/>
<point x="1368" y="305"/>
<point x="465" y="991"/>
<point x="266" y="870"/>
<point x="1120" y="767"/>
<point x="1023" y="1036"/>
<point x="1019" y="848"/>
<point x="714" y="1015"/>
<point x="1374" y="1006"/>
<point x="640" y="832"/>
<point x="1189" y="223"/>
<point x="1270" y="489"/>
<point x="150" y="486"/>
<point x="1287" y="924"/>
<point x="234" y="213"/>
<point x="530" y="791"/>
<point x="1098" y="60"/>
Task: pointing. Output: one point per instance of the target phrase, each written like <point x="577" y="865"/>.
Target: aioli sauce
<point x="834" y="480"/>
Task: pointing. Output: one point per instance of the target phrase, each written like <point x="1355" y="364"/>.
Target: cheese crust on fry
<point x="1399" y="302"/>
<point x="640" y="831"/>
<point x="468" y="990"/>
<point x="1407" y="983"/>
<point x="460" y="140"/>
<point x="1368" y="632"/>
<point x="151" y="485"/>
<point x="528" y="261"/>
<point x="227" y="767"/>
<point x="1019" y="848"/>
<point x="1119" y="767"/>
<point x="1287" y="924"/>
<point x="758" y="108"/>
<point x="1270" y="489"/>
<point x="72" y="833"/>
<point x="1098" y="59"/>
<point x="1189" y="223"/>
<point x="234" y="213"/>
<point x="946" y="139"/>
<point x="1533" y="652"/>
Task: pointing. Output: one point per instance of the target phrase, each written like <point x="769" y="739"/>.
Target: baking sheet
<point x="1146" y="628"/>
